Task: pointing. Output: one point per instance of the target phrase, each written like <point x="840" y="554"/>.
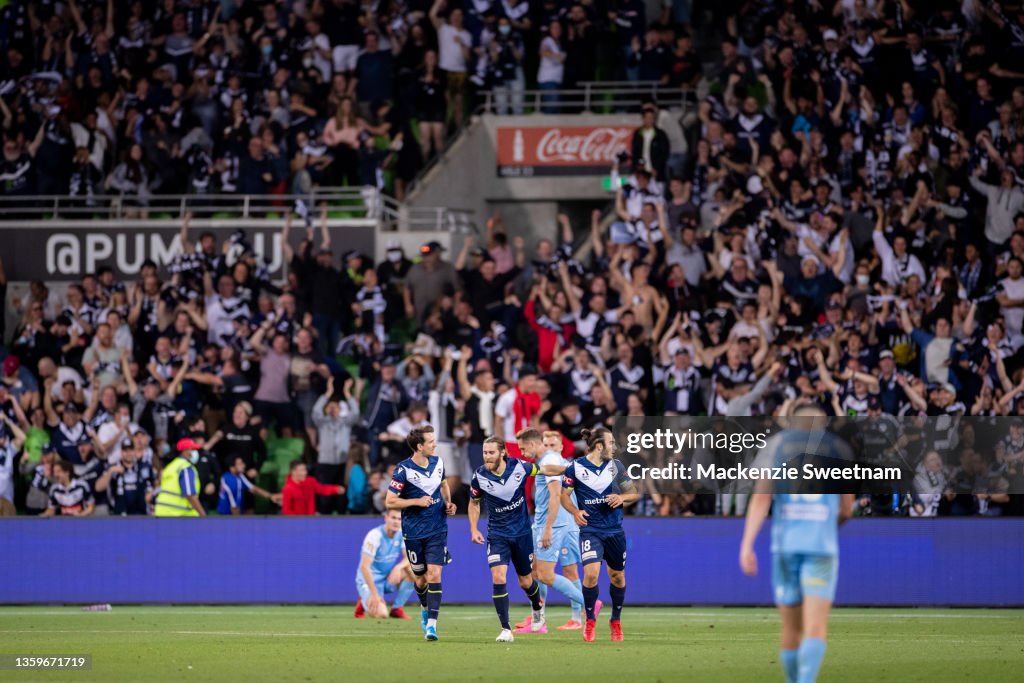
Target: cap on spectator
<point x="833" y="305"/>
<point x="11" y="365"/>
<point x="351" y="254"/>
<point x="62" y="320"/>
<point x="887" y="353"/>
<point x="48" y="448"/>
<point x="946" y="386"/>
<point x="394" y="243"/>
<point x="829" y="34"/>
<point x="150" y="380"/>
<point x="754" y="185"/>
<point x="186" y="444"/>
<point x="71" y="407"/>
<point x="480" y="252"/>
<point x="245" y="406"/>
<point x="136" y="429"/>
<point x="431" y="247"/>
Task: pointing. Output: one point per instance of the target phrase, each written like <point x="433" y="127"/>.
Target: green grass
<point x="264" y="643"/>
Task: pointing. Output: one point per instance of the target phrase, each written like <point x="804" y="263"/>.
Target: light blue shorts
<point x="383" y="587"/>
<point x="795" y="575"/>
<point x="564" y="548"/>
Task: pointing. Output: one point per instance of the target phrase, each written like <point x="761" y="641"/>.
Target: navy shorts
<point x="608" y="547"/>
<point x="519" y="550"/>
<point x="424" y="551"/>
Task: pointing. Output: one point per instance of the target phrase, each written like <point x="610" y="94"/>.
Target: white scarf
<point x="486" y="409"/>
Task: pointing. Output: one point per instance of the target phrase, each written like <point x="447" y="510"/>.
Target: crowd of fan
<point x="847" y="228"/>
<point x="123" y="97"/>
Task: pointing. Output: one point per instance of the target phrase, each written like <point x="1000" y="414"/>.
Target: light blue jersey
<point x="385" y="552"/>
<point x="542" y="498"/>
<point x="805" y="522"/>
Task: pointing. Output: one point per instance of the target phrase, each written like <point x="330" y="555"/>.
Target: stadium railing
<point x="356" y="203"/>
<point x="593" y="97"/>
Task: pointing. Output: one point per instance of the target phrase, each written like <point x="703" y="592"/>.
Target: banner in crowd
<point x="34" y="253"/>
<point x="526" y="151"/>
<point x="885" y="562"/>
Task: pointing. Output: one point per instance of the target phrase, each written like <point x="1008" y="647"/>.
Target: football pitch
<point x="247" y="644"/>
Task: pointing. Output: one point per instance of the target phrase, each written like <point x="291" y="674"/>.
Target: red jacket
<point x="550" y="340"/>
<point x="300" y="496"/>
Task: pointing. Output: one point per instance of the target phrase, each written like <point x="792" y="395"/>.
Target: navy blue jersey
<point x="504" y="498"/>
<point x="593" y="484"/>
<point x="412" y="481"/>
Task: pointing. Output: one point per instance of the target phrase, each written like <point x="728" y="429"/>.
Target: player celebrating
<point x="602" y="488"/>
<point x="379" y="575"/>
<point x="501" y="485"/>
<point x="418" y="488"/>
<point x="805" y="547"/>
<point x="553" y="527"/>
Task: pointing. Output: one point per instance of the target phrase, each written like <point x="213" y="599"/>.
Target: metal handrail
<point x="363" y="203"/>
<point x="591" y="96"/>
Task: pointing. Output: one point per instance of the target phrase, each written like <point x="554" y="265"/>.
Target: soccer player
<point x="805" y="547"/>
<point x="379" y="574"/>
<point x="418" y="488"/>
<point x="602" y="488"/>
<point x="553" y="527"/>
<point x="501" y="485"/>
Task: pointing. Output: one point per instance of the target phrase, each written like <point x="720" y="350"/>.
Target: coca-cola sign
<point x="525" y="151"/>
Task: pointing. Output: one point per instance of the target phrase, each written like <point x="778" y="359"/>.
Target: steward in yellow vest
<point x="179" y="484"/>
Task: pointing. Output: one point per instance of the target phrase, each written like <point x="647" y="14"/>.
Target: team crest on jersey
<point x="504" y="490"/>
<point x="597" y="481"/>
<point x="428" y="482"/>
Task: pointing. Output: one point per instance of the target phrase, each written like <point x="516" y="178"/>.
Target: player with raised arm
<point x="553" y="527"/>
<point x="418" y="488"/>
<point x="501" y="486"/>
<point x="805" y="545"/>
<point x="602" y="488"/>
<point x="381" y="573"/>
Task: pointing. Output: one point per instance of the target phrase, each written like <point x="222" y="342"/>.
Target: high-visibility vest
<point x="170" y="501"/>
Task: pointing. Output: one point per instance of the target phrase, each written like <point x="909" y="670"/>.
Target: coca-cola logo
<point x="598" y="145"/>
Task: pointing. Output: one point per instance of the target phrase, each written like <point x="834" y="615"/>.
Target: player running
<point x="501" y="485"/>
<point x="380" y="573"/>
<point x="602" y="488"/>
<point x="418" y="488"/>
<point x="805" y="547"/>
<point x="555" y="534"/>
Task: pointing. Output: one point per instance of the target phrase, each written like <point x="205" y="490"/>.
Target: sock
<point x="544" y="592"/>
<point x="618" y="597"/>
<point x="567" y="588"/>
<point x="577" y="607"/>
<point x="404" y="591"/>
<point x="811" y="653"/>
<point x="790" y="664"/>
<point x="433" y="600"/>
<point x="499" y="593"/>
<point x="421" y="593"/>
<point x="533" y="592"/>
<point x="590" y="601"/>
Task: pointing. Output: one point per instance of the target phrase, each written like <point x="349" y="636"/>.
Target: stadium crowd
<point x="127" y="98"/>
<point x="846" y="227"/>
